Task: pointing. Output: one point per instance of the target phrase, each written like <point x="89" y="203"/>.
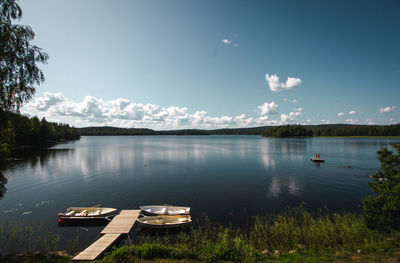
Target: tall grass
<point x="298" y="228"/>
<point x="295" y="229"/>
<point x="22" y="239"/>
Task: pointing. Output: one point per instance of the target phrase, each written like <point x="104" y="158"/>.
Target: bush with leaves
<point x="382" y="210"/>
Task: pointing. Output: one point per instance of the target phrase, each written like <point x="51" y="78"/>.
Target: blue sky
<point x="211" y="64"/>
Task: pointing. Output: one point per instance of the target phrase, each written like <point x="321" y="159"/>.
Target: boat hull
<point x="154" y="210"/>
<point x="85" y="213"/>
<point x="164" y="221"/>
<point x="315" y="160"/>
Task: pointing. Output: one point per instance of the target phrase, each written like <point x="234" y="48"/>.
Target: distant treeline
<point x="18" y="130"/>
<point x="267" y="131"/>
<point x="332" y="130"/>
<point x="138" y="131"/>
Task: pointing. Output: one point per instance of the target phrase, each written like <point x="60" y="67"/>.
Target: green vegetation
<point x="18" y="58"/>
<point x="29" y="240"/>
<point x="382" y="210"/>
<point x="88" y="131"/>
<point x="332" y="130"/>
<point x="268" y="131"/>
<point x="291" y="236"/>
<point x="294" y="233"/>
<point x="17" y="130"/>
<point x="289" y="131"/>
<point x="18" y="76"/>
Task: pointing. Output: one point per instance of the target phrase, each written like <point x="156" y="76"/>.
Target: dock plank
<point x="98" y="247"/>
<point x="121" y="224"/>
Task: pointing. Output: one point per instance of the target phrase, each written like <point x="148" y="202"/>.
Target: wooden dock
<point x="120" y="225"/>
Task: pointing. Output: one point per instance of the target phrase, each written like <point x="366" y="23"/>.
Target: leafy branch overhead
<point x="19" y="72"/>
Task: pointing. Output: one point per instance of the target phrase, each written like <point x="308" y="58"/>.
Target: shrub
<point x="381" y="211"/>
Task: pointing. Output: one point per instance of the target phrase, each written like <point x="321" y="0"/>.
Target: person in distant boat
<point x="346" y="166"/>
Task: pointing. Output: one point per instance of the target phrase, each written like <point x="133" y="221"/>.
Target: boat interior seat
<point x="81" y="213"/>
<point x="70" y="213"/>
<point x="95" y="213"/>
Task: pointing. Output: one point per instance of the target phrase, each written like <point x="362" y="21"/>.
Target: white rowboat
<point x="153" y="210"/>
<point x="164" y="221"/>
<point x="87" y="212"/>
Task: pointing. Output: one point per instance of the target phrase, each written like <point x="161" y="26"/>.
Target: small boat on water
<point x="164" y="221"/>
<point x="317" y="160"/>
<point x="87" y="213"/>
<point x="153" y="210"/>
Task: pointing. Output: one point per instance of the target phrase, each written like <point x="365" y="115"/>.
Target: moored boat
<point x="319" y="160"/>
<point x="153" y="210"/>
<point x="164" y="221"/>
<point x="87" y="213"/>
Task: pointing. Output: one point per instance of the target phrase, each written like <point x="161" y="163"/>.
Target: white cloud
<point x="267" y="108"/>
<point x="296" y="112"/>
<point x="391" y="121"/>
<point x="226" y="41"/>
<point x="352" y="121"/>
<point x="326" y="121"/>
<point x="387" y="109"/>
<point x="308" y="120"/>
<point x="48" y="100"/>
<point x="294" y="101"/>
<point x="352" y="112"/>
<point x="285" y="99"/>
<point x="93" y="111"/>
<point x="340" y="114"/>
<point x="369" y="122"/>
<point x="285" y="118"/>
<point x="275" y="85"/>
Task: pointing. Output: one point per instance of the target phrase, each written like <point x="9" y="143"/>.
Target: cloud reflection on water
<point x="280" y="186"/>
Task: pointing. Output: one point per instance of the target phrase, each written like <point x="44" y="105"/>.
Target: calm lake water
<point x="227" y="178"/>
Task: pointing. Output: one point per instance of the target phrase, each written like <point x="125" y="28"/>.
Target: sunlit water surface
<point x="228" y="178"/>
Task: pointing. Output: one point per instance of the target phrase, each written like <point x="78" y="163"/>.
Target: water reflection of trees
<point x="32" y="156"/>
<point x="37" y="156"/>
<point x="3" y="181"/>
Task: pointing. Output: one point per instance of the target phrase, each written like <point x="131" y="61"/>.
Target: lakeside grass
<point x="19" y="239"/>
<point x="294" y="235"/>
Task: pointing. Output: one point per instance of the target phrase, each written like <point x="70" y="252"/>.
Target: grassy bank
<point x="291" y="236"/>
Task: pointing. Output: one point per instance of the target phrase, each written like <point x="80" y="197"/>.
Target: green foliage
<point x="18" y="58"/>
<point x="381" y="211"/>
<point x="296" y="226"/>
<point x="119" y="253"/>
<point x="288" y="131"/>
<point x="137" y="131"/>
<point x="18" y="130"/>
<point x="295" y="229"/>
<point x="20" y="239"/>
<point x="280" y="131"/>
<point x="332" y="130"/>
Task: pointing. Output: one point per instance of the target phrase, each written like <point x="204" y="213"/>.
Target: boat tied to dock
<point x="154" y="210"/>
<point x="94" y="212"/>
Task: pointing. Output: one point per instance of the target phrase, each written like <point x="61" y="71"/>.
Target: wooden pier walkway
<point x="121" y="224"/>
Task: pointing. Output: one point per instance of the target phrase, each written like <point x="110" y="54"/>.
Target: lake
<point x="227" y="178"/>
